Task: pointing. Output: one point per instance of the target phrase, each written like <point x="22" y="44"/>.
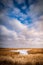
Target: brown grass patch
<point x="12" y="58"/>
<point x="31" y="59"/>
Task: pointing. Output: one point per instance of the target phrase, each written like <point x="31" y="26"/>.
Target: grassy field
<point x="34" y="57"/>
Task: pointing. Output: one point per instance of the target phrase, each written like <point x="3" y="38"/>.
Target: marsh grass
<point x="31" y="59"/>
<point x="39" y="63"/>
<point x="10" y="58"/>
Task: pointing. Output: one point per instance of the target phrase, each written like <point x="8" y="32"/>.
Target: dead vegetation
<point x="12" y="58"/>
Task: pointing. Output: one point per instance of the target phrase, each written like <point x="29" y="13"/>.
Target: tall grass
<point x="31" y="59"/>
<point x="34" y="57"/>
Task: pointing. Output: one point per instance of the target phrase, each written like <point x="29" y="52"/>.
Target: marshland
<point x="21" y="56"/>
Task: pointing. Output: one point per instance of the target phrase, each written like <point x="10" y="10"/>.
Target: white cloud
<point x="35" y="10"/>
<point x="20" y="1"/>
<point x="17" y="25"/>
<point x="7" y="36"/>
<point x="27" y="37"/>
<point x="7" y="3"/>
<point x="7" y="32"/>
<point x="38" y="25"/>
<point x="21" y="35"/>
<point x="3" y="30"/>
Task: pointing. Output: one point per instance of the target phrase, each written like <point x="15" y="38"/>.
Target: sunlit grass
<point x="21" y="58"/>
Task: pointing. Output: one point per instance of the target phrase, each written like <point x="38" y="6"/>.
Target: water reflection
<point x="23" y="52"/>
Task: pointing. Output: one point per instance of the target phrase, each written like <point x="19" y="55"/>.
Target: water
<point x="23" y="52"/>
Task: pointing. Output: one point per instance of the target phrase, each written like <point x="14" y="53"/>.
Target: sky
<point x="21" y="23"/>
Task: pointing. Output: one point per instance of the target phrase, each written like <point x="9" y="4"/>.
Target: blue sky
<point x="21" y="23"/>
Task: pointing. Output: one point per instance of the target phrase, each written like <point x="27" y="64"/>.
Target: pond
<point x="23" y="52"/>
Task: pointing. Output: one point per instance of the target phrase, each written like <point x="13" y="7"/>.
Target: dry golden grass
<point x="36" y="50"/>
<point x="31" y="59"/>
<point x="11" y="58"/>
<point x="30" y="50"/>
